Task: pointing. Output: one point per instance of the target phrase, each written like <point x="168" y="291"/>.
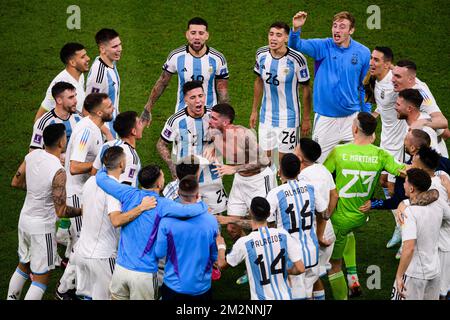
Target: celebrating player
<point x="341" y="65"/>
<point x="194" y="61"/>
<point x="279" y="70"/>
<point x="103" y="76"/>
<point x="357" y="166"/>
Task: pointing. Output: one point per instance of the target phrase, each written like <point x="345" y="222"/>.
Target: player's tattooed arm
<point x="222" y="91"/>
<point x="427" y="197"/>
<point x="19" y="180"/>
<point x="164" y="152"/>
<point x="158" y="89"/>
<point x="59" y="196"/>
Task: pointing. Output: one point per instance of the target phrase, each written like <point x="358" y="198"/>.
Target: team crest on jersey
<point x="355" y="59"/>
<point x="382" y="94"/>
<point x="286" y="70"/>
<point x="210" y="70"/>
<point x="37" y="138"/>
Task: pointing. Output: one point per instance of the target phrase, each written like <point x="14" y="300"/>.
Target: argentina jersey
<point x="47" y="119"/>
<point x="104" y="79"/>
<point x="211" y="66"/>
<point x="292" y="207"/>
<point x="280" y="107"/>
<point x="266" y="252"/>
<point x="133" y="162"/>
<point x="189" y="135"/>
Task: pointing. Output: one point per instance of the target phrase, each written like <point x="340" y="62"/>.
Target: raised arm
<point x="60" y="197"/>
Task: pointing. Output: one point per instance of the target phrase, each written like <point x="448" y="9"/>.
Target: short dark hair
<point x="60" y="87"/>
<point x="190" y="85"/>
<point x="367" y="123"/>
<point x="105" y="35"/>
<point x="412" y="96"/>
<point x="280" y="25"/>
<point x="93" y="101"/>
<point x="188" y="186"/>
<point x="226" y="110"/>
<point x="387" y="53"/>
<point x="311" y="150"/>
<point x="421" y="138"/>
<point x="429" y="157"/>
<point x="112" y="156"/>
<point x="419" y="179"/>
<point x="198" y="21"/>
<point x="260" y="209"/>
<point x="148" y="175"/>
<point x="290" y="166"/>
<point x="408" y="64"/>
<point x="53" y="134"/>
<point x="68" y="51"/>
<point x="124" y="123"/>
<point x="186" y="169"/>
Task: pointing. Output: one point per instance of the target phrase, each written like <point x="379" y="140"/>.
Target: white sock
<point x="16" y="284"/>
<point x="67" y="281"/>
<point x="36" y="291"/>
<point x="319" y="295"/>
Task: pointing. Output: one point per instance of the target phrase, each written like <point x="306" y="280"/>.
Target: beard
<point x="107" y="117"/>
<point x="193" y="48"/>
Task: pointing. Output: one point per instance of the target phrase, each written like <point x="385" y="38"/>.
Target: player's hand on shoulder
<point x="148" y="203"/>
<point x="400" y="212"/>
<point x="324" y="242"/>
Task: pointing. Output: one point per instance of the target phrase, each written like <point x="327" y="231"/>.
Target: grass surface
<point x="34" y="31"/>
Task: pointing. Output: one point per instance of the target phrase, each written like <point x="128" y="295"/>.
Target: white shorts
<point x="94" y="277"/>
<point x="311" y="276"/>
<point x="244" y="189"/>
<point x="444" y="258"/>
<point x="283" y="139"/>
<point x="75" y="223"/>
<point x="329" y="132"/>
<point x="325" y="252"/>
<point x="298" y="286"/>
<point x="37" y="249"/>
<point x="214" y="195"/>
<point x="417" y="289"/>
<point x="133" y="285"/>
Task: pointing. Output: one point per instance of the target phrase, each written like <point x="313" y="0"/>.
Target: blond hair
<point x="345" y="15"/>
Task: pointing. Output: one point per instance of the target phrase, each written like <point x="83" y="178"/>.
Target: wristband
<point x="222" y="246"/>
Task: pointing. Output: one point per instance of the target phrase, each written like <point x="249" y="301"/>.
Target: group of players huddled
<point x="294" y="202"/>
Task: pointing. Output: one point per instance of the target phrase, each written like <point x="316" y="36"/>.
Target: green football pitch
<point x="32" y="33"/>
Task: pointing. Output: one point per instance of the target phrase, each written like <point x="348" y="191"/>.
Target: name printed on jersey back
<point x="296" y="191"/>
<point x="360" y="158"/>
<point x="265" y="241"/>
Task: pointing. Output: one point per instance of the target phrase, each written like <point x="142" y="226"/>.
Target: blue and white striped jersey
<point x="292" y="207"/>
<point x="104" y="79"/>
<point x="48" y="118"/>
<point x="211" y="66"/>
<point x="133" y="162"/>
<point x="280" y="105"/>
<point x="189" y="135"/>
<point x="266" y="252"/>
